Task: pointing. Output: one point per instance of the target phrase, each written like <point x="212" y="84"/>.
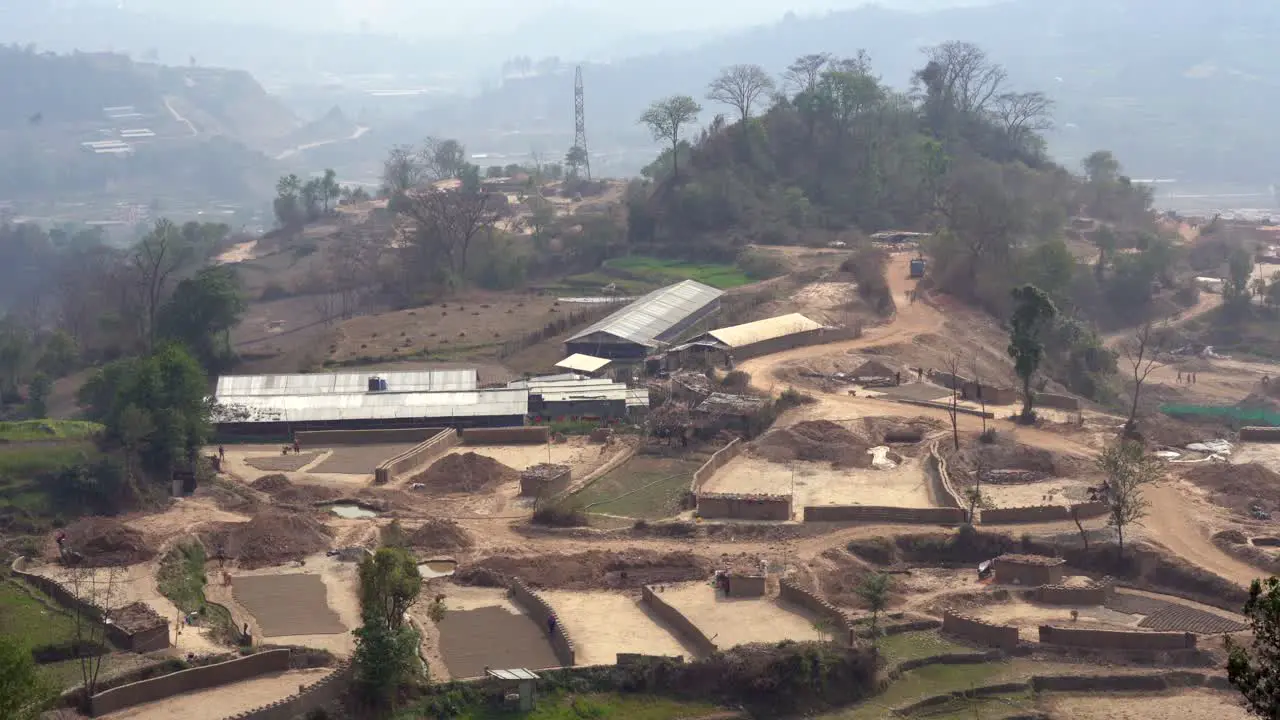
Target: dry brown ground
<point x="226" y="701"/>
<point x="1193" y="705"/>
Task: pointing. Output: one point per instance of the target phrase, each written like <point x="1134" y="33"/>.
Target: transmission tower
<point x="580" y="120"/>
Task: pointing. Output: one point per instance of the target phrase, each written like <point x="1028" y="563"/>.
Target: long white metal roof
<point x="346" y="382"/>
<point x="645" y="319"/>
<point x="767" y="329"/>
<point x="370" y="406"/>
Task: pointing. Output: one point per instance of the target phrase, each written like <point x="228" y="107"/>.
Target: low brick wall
<point x="1260" y="434"/>
<point x="416" y="456"/>
<point x="148" y="640"/>
<point x="695" y="638"/>
<point x="714" y="463"/>
<point x="309" y="439"/>
<point x="323" y="693"/>
<point x="1040" y="513"/>
<point x="1058" y="402"/>
<point x="540" y="611"/>
<point x="1004" y="637"/>
<point x="745" y="585"/>
<point x="744" y="507"/>
<point x="532" y="435"/>
<point x="872" y="513"/>
<point x="1095" y="594"/>
<point x="1117" y="639"/>
<point x="534" y="485"/>
<point x="187" y="681"/>
<point x="790" y="592"/>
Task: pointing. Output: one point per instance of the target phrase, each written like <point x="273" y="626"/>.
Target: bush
<point x="273" y="291"/>
<point x="560" y="515"/>
<point x="988" y="436"/>
<point x="1187" y="295"/>
<point x="868" y="269"/>
<point x="792" y="398"/>
<point x="760" y="265"/>
<point x="736" y="380"/>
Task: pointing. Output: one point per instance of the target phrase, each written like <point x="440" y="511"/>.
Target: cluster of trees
<point x="298" y="202"/>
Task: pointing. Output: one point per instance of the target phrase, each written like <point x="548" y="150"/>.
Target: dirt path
<point x="179" y="118"/>
<point x="225" y="701"/>
<point x="1167" y="522"/>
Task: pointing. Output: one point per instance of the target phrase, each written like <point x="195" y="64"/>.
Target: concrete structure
<point x="1029" y="570"/>
<point x="649" y="323"/>
<point x="545" y="480"/>
<point x="744" y="585"/>
<point x="744" y="507"/>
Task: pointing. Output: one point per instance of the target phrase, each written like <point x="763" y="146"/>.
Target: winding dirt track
<point x="1168" y="521"/>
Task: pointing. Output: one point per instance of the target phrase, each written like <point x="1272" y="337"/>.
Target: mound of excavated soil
<point x="440" y="534"/>
<point x="897" y="430"/>
<point x="815" y="440"/>
<point x="839" y="574"/>
<point x="465" y="472"/>
<point x="592" y="570"/>
<point x="1005" y="454"/>
<point x="271" y="483"/>
<point x="1238" y="486"/>
<point x="101" y="542"/>
<point x="270" y="538"/>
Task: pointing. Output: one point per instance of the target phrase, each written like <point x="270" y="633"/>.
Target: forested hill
<point x="1179" y="88"/>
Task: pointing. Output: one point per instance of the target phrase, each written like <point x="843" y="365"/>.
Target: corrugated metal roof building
<point x="282" y="414"/>
<point x="760" y="330"/>
<point x="346" y="382"/>
<point x="648" y="323"/>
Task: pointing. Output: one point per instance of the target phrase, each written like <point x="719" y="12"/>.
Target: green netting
<point x="1239" y="415"/>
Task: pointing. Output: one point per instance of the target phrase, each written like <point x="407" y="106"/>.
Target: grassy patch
<point x="21" y="466"/>
<point x="181" y="576"/>
<point x="925" y="682"/>
<point x="644" y="487"/>
<point x="31" y="430"/>
<point x="593" y="706"/>
<point x="991" y="707"/>
<point x="660" y="270"/>
<point x="32" y="622"/>
<point x="914" y="645"/>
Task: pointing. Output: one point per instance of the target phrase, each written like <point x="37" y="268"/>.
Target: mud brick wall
<point x="746" y="585"/>
<point x="416" y="456"/>
<point x="1016" y="573"/>
<point x="157" y="638"/>
<point x="507" y="436"/>
<point x="790" y="592"/>
<point x="714" y="463"/>
<point x="1096" y="594"/>
<point x="1058" y="402"/>
<point x="321" y="694"/>
<point x="186" y="681"/>
<point x="540" y="611"/>
<point x="309" y="439"/>
<point x="697" y="639"/>
<point x="872" y="513"/>
<point x="534" y="486"/>
<point x="1117" y="639"/>
<point x="1041" y="513"/>
<point x="1004" y="637"/>
<point x="745" y="507"/>
<point x="1260" y="434"/>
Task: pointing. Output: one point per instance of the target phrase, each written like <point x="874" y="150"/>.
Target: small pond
<point x="437" y="568"/>
<point x="352" y="512"/>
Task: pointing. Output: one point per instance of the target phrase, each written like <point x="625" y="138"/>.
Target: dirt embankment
<point x="285" y="492"/>
<point x="270" y="538"/>
<point x="1008" y="461"/>
<point x="593" y="570"/>
<point x="439" y="534"/>
<point x="465" y="472"/>
<point x="1238" y="486"/>
<point x="826" y="441"/>
<point x="103" y="542"/>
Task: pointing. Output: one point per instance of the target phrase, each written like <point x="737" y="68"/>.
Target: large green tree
<point x="1255" y="669"/>
<point x="386" y="646"/>
<point x="24" y="692"/>
<point x="1033" y="313"/>
<point x="202" y="312"/>
<point x="665" y="119"/>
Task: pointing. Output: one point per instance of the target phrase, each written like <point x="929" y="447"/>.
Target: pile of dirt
<point x="899" y="430"/>
<point x="1005" y="454"/>
<point x="1238" y="486"/>
<point x="839" y="574"/>
<point x="1161" y="430"/>
<point x="270" y="538"/>
<point x="1257" y="401"/>
<point x="815" y="440"/>
<point x="465" y="472"/>
<point x="592" y="570"/>
<point x="271" y="484"/>
<point x="440" y="534"/>
<point x="102" y="542"/>
<point x="136" y="617"/>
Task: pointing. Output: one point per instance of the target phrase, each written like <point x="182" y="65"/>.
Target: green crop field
<point x="34" y="430"/>
<point x="595" y="706"/>
<point x="660" y="271"/>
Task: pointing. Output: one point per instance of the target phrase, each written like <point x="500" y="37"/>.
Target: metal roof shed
<point x="761" y="330"/>
<point x="371" y="406"/>
<point x="583" y="363"/>
<point x="648" y="322"/>
<point x="345" y="382"/>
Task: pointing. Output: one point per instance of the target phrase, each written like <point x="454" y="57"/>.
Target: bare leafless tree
<point x="739" y="86"/>
<point x="100" y="592"/>
<point x="1141" y="353"/>
<point x="444" y="223"/>
<point x="1021" y="113"/>
<point x="156" y="259"/>
<point x="952" y="365"/>
<point x="982" y="395"/>
<point x="803" y="73"/>
<point x="967" y="77"/>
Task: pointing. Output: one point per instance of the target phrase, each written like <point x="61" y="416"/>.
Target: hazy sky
<point x="436" y="17"/>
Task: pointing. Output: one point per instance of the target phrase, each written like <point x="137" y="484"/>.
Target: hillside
<point x="1180" y="89"/>
<point x="91" y="123"/>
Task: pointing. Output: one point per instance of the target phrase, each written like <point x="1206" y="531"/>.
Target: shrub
<point x="792" y="398"/>
<point x="988" y="436"/>
<point x="273" y="291"/>
<point x="736" y="380"/>
<point x="559" y="515"/>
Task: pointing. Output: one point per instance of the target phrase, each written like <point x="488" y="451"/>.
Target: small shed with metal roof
<point x="759" y="331"/>
<point x="584" y="364"/>
<point x="647" y="324"/>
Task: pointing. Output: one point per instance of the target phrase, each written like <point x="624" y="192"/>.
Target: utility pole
<point x="580" y="120"/>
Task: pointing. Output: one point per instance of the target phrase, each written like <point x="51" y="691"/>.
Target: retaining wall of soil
<point x="546" y="485"/>
<point x="321" y="694"/>
<point x="872" y="513"/>
<point x="309" y="439"/>
<point x="714" y="463"/>
<point x="1095" y="594"/>
<point x="744" y="507"/>
<point x="689" y="632"/>
<point x="1117" y="639"/>
<point x="187" y="681"/>
<point x="541" y="611"/>
<point x="941" y="491"/>
<point x="532" y="435"/>
<point x="416" y="457"/>
<point x="139" y="641"/>
<point x="841" y="629"/>
<point x="1260" y="434"/>
<point x="1041" y="513"/>
<point x="1004" y="637"/>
